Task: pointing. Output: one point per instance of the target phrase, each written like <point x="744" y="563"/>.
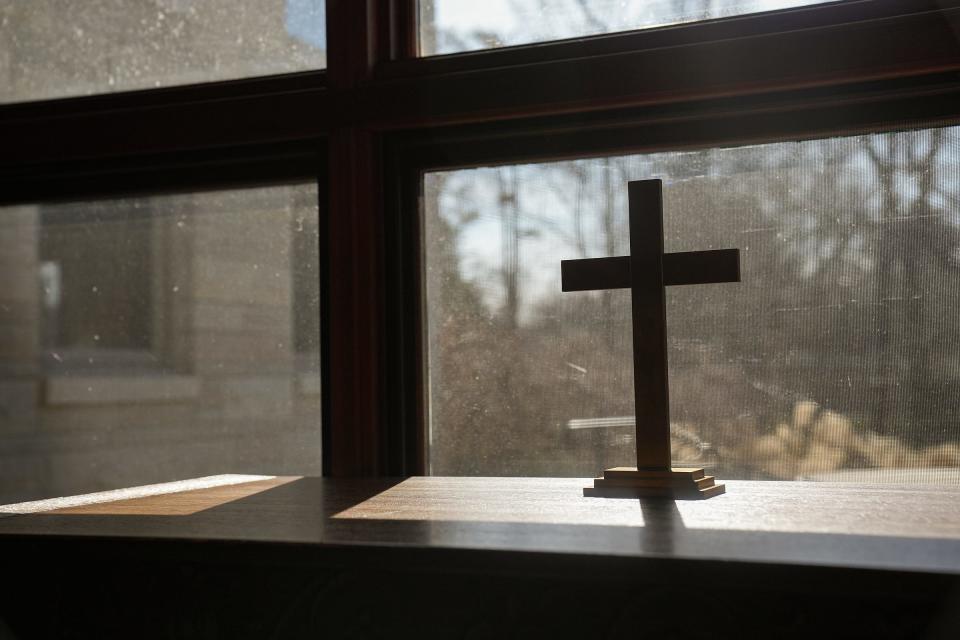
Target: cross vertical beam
<point x="648" y="301"/>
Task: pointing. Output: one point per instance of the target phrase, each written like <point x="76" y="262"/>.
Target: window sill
<point x="897" y="528"/>
<point x="859" y="561"/>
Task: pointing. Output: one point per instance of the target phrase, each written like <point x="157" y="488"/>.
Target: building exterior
<point x="157" y="338"/>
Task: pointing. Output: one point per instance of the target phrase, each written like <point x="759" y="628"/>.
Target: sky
<point x="521" y="21"/>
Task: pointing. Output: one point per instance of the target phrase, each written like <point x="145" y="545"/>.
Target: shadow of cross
<point x="646" y="271"/>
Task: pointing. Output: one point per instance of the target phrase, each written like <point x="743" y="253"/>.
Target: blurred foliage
<point x="838" y="350"/>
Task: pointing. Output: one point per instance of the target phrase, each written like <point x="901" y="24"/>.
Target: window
<point x="698" y="82"/>
<point x="834" y="358"/>
<point x="59" y="48"/>
<point x="306" y="278"/>
<point x="96" y="304"/>
<point x="172" y="340"/>
<point x="452" y="26"/>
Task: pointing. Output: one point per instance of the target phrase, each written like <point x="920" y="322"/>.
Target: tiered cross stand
<point x="646" y="271"/>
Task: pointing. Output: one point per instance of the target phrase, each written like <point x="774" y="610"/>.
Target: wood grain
<point x="902" y="528"/>
<point x="183" y="503"/>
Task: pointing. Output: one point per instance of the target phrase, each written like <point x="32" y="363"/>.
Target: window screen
<point x="836" y="357"/>
<point x="158" y="338"/>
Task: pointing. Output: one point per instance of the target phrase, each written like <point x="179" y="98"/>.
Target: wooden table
<point x="513" y="552"/>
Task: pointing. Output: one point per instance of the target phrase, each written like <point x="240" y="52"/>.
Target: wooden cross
<point x="646" y="271"/>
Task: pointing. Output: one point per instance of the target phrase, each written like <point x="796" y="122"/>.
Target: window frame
<point x="842" y="67"/>
<point x="861" y="103"/>
<point x="793" y="116"/>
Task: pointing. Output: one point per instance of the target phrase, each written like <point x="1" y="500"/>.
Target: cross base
<point x="676" y="484"/>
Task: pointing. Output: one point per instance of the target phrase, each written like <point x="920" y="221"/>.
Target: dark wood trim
<point x="243" y="590"/>
<point x="815" y="16"/>
<point x="822" y="45"/>
<point x="165" y="96"/>
<point x="351" y="57"/>
<point x="355" y="385"/>
<point x="868" y="106"/>
<point x="662" y="73"/>
<point x="397" y="30"/>
<point x="810" y="113"/>
<point x="355" y="431"/>
<point x="262" y="111"/>
<point x="60" y="549"/>
<point x="406" y="370"/>
<point x="201" y="170"/>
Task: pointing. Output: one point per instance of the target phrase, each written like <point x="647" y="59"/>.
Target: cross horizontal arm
<point x="701" y="267"/>
<point x="595" y="273"/>
<point x="686" y="267"/>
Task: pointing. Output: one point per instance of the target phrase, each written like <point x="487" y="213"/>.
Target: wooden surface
<point x="183" y="503"/>
<point x="913" y="529"/>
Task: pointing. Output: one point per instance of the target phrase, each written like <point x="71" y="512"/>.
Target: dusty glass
<point x="158" y="338"/>
<point x="836" y="357"/>
<point x="59" y="48"/>
<point x="451" y="26"/>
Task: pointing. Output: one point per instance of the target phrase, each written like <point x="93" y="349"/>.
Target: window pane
<point x="450" y="26"/>
<point x="836" y="357"/>
<point x="158" y="338"/>
<point x="58" y="48"/>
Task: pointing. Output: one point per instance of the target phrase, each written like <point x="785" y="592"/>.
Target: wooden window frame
<point x="370" y="125"/>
